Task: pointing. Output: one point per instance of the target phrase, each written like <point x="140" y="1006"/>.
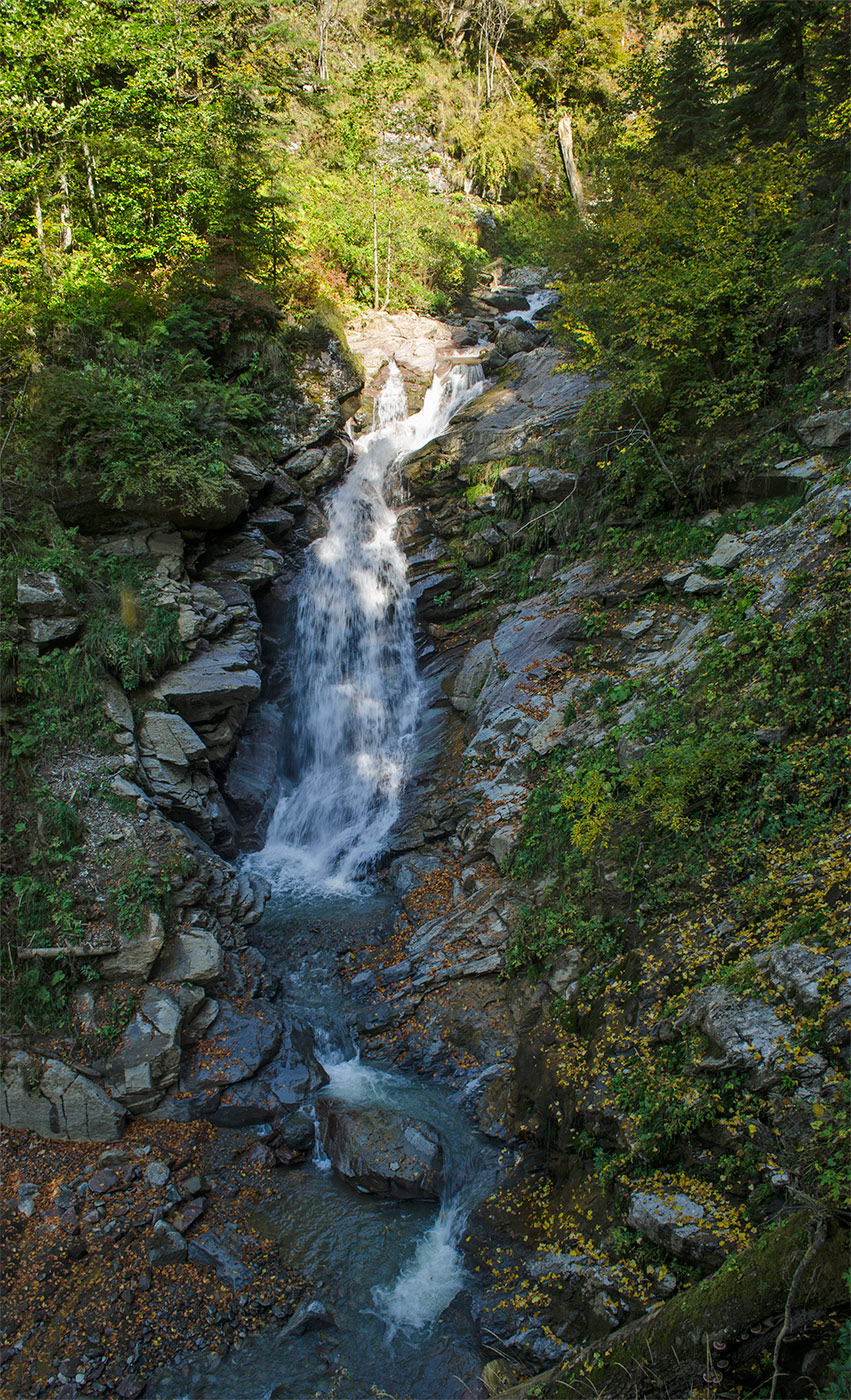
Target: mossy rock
<point x="669" y="1345"/>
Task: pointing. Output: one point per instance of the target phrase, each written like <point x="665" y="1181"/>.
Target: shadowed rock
<point x="382" y="1152"/>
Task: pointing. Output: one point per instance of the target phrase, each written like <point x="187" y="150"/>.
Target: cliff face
<point x="179" y="771"/>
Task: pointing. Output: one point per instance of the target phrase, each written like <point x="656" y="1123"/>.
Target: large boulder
<point x="219" y="675"/>
<point x="746" y="1034"/>
<point x="278" y="1088"/>
<point x="382" y="1152"/>
<point x="534" y="402"/>
<point x="192" y="957"/>
<point x="170" y="739"/>
<point x="247" y="559"/>
<point x="827" y="427"/>
<point x="47" y="609"/>
<point x="540" y="483"/>
<point x="683" y="1226"/>
<point x="237" y="1045"/>
<point x="46" y="1097"/>
<point x="223" y="1249"/>
<point x="138" y="952"/>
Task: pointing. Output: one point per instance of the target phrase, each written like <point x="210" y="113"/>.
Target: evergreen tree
<point x="684" y="110"/>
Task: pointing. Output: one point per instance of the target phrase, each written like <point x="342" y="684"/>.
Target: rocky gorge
<point x="653" y="1041"/>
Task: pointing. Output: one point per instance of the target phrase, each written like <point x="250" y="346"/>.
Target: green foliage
<point x="839" y="1385"/>
<point x="500" y="147"/>
<point x="706" y="787"/>
<point x="684" y="303"/>
<point x="822" y="1162"/>
<point x="139" y="889"/>
<point x="668" y="1101"/>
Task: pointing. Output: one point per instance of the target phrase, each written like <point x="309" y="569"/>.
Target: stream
<point x="391" y="1273"/>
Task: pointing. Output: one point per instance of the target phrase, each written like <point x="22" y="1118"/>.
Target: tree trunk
<point x="389" y="225"/>
<point x="66" y="233"/>
<point x="90" y="184"/>
<point x="574" y="179"/>
<point x="375" y="237"/>
<point x="322" y="64"/>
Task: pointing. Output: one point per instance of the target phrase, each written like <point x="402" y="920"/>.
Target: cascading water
<point x="355" y="660"/>
<point x="388" y="1269"/>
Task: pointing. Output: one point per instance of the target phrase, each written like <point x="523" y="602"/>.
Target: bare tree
<point x="326" y="12"/>
<point x="571" y="170"/>
<point x="66" y="231"/>
<point x="492" y="18"/>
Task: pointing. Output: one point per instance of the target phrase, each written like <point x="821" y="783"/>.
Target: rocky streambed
<point x="239" y="1052"/>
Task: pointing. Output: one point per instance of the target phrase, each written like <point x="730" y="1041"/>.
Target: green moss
<point x="670" y="1344"/>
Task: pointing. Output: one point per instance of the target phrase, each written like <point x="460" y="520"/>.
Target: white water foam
<point x="430" y="1279"/>
<point x="355" y="661"/>
<point x="354" y="1083"/>
<point x="537" y="301"/>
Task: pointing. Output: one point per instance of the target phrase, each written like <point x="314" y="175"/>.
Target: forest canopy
<point x="175" y="174"/>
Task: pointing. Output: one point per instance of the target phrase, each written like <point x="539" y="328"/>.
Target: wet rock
<point x="138" y="952"/>
<point x="382" y="1152"/>
<point x="308" y="1317"/>
<point x="677" y="1223"/>
<point x="46" y="1097"/>
<point x="532" y="404"/>
<point x="506" y="300"/>
<point x="274" y="521"/>
<point x="221" y="1249"/>
<point x="281" y="1086"/>
<point x="191" y="957"/>
<point x="329" y="469"/>
<point x="47" y="609"/>
<point x="298" y="1132"/>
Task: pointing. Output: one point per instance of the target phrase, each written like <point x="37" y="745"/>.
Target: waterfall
<point x="354" y="664"/>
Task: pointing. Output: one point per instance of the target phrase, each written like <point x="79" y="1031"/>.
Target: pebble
<point x="157" y="1173"/>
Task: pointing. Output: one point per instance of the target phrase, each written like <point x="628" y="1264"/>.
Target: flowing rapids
<point x="354" y="659"/>
<point x="389" y="1270"/>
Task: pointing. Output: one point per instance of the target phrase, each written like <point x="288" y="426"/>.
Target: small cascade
<point x="354" y="660"/>
<point x="537" y="301"/>
<point x="432" y="1276"/>
<point x="391" y="405"/>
